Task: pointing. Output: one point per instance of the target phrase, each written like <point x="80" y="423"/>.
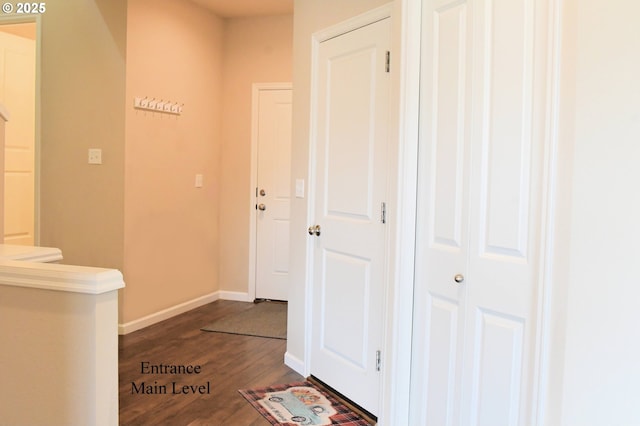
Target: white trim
<point x="544" y="338"/>
<point x="164" y="314"/>
<point x="311" y="205"/>
<point x="237" y="296"/>
<point x="38" y="129"/>
<point x="399" y="319"/>
<point x="296" y="364"/>
<point x="255" y="92"/>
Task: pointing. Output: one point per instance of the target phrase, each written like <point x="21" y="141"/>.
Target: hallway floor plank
<point x="227" y="363"/>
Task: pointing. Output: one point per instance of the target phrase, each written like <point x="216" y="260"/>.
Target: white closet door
<point x="443" y="211"/>
<point x="481" y="151"/>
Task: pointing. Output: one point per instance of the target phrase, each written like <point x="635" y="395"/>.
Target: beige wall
<point x="309" y="16"/>
<point x="145" y="216"/>
<point x="600" y="129"/>
<point x="82" y="106"/>
<point x="256" y="50"/>
<point x="174" y="52"/>
<point x="59" y="367"/>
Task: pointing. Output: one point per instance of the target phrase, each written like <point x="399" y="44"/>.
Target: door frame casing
<point x="37" y="20"/>
<point x="256" y="88"/>
<point x="404" y="121"/>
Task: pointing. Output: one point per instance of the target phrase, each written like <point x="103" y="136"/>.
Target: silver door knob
<point x="314" y="230"/>
<point x="262" y="207"/>
<point x="458" y="278"/>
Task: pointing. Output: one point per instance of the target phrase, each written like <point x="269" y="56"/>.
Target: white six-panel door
<point x="482" y="133"/>
<point x="349" y="250"/>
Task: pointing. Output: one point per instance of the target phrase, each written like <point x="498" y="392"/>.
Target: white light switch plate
<point x="95" y="156"/>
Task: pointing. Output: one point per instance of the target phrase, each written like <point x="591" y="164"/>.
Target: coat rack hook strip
<point x="174" y="108"/>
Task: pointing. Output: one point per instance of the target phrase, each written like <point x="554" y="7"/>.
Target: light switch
<point x="198" y="181"/>
<point x="95" y="156"/>
<point x="299" y="188"/>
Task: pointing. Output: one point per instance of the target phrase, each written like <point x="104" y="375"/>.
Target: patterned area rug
<point x="301" y="404"/>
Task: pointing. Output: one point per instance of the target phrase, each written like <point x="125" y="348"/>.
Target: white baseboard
<point x="235" y="295"/>
<point x="168" y="313"/>
<point x="295" y="364"/>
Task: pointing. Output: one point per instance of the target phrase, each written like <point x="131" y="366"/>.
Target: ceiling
<point x="240" y="8"/>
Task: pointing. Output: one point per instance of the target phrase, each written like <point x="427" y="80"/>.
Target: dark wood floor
<point x="228" y="363"/>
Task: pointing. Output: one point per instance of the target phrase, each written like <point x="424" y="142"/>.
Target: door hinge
<point x="388" y="62"/>
<point x="378" y="360"/>
<point x="383" y="213"/>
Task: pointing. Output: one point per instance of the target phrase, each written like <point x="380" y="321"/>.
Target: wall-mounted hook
<point x="157" y="105"/>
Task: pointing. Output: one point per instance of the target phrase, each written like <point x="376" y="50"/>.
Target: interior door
<point x="349" y="231"/>
<point x="17" y="93"/>
<point x="480" y="167"/>
<point x="273" y="193"/>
